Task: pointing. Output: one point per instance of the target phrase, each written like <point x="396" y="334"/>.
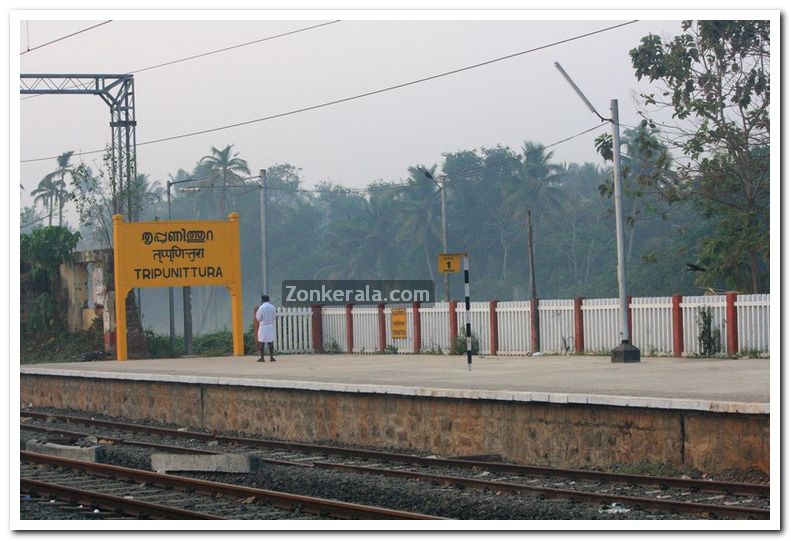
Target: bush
<point x="459" y="346"/>
<point x="708" y="337"/>
<point x="214" y="344"/>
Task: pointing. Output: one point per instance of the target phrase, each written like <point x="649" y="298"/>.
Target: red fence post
<point x="678" y="326"/>
<point x="629" y="318"/>
<point x="535" y="342"/>
<point x="453" y="323"/>
<point x="349" y="329"/>
<point x="416" y="338"/>
<point x="316" y="329"/>
<point x="493" y="329"/>
<point x="579" y="330"/>
<point x="732" y="328"/>
<point x="380" y="313"/>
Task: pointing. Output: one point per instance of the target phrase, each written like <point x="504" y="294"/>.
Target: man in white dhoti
<point x="265" y="315"/>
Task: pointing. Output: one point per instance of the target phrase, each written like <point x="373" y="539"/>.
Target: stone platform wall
<point x="563" y="435"/>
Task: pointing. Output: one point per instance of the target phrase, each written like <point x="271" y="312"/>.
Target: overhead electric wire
<point x="208" y="53"/>
<point x="340" y="189"/>
<point x="363" y="95"/>
<point x="215" y="51"/>
<point x="30" y="49"/>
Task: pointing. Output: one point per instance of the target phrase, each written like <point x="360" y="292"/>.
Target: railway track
<point x="155" y="495"/>
<point x="716" y="499"/>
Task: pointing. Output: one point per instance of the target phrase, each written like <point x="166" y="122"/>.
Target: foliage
<point x="214" y="344"/>
<point x="391" y="349"/>
<point x="708" y="335"/>
<point x="222" y="168"/>
<point x="41" y="253"/>
<point x="459" y="345"/>
<point x="43" y="250"/>
<point x="715" y="79"/>
<point x="51" y="345"/>
<point x="332" y="348"/>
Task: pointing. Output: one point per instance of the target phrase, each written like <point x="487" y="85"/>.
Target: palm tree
<point x="536" y="189"/>
<point x="45" y="194"/>
<point x="52" y="188"/>
<point x="223" y="166"/>
<point x="420" y="212"/>
<point x="144" y="195"/>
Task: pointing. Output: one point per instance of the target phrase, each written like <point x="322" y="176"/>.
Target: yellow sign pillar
<point x="177" y="253"/>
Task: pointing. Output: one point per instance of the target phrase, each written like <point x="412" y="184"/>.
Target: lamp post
<point x="186" y="296"/>
<point x="625" y="351"/>
<point x="264" y="243"/>
<point x="441" y="184"/>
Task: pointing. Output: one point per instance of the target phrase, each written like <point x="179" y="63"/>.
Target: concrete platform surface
<point x="740" y="385"/>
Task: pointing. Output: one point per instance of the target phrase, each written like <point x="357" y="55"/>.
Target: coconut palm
<point x="145" y="194"/>
<point x="52" y="189"/>
<point x="45" y="194"/>
<point x="535" y="190"/>
<point x="222" y="167"/>
<point x="420" y="212"/>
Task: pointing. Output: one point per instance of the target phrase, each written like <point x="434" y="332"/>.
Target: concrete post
<point x="579" y="328"/>
<point x="534" y="338"/>
<point x="417" y="344"/>
<point x="493" y="328"/>
<point x="316" y="330"/>
<point x="678" y="326"/>
<point x="380" y="315"/>
<point x="731" y="324"/>
<point x="453" y="323"/>
<point x="349" y="329"/>
<point x="629" y="317"/>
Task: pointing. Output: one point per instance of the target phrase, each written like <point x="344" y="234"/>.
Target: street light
<point x="264" y="244"/>
<point x="186" y="295"/>
<point x="625" y="352"/>
<point x="441" y="184"/>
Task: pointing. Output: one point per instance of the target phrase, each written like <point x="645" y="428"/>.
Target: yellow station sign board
<point x="398" y="323"/>
<point x="177" y="253"/>
<point x="449" y="262"/>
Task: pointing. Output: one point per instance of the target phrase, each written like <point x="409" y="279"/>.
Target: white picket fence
<point x="652" y="325"/>
<point x="292" y="330"/>
<point x="333" y="325"/>
<point x="434" y="327"/>
<point x="513" y="327"/>
<point x="752" y="315"/>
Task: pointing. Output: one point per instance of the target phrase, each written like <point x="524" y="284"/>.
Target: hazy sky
<point x="352" y="143"/>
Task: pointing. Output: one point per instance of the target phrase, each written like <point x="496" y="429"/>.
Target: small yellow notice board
<point x="398" y="323"/>
<point x="449" y="262"/>
<point x="177" y="253"/>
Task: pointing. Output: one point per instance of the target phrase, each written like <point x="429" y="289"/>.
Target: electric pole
<point x="625" y="352"/>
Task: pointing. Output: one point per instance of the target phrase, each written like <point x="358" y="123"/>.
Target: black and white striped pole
<point x="467" y="310"/>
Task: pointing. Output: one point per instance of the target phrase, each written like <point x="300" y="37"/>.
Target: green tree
<point x="715" y="79"/>
<point x="420" y="213"/>
<point x="53" y="187"/>
<point x="41" y="253"/>
<point x="223" y="167"/>
<point x="45" y="193"/>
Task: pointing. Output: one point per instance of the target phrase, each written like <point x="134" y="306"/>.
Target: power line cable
<point x="30" y="49"/>
<point x="208" y="53"/>
<point x="215" y="51"/>
<point x="364" y="94"/>
<point x="401" y="185"/>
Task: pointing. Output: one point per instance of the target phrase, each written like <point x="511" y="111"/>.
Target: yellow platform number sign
<point x="177" y="253"/>
<point x="449" y="262"/>
<point x="398" y="323"/>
